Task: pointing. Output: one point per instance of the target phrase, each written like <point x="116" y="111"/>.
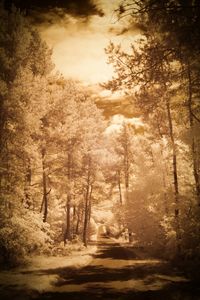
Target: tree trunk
<point x="67" y="233"/>
<point x="2" y="123"/>
<point x="175" y="175"/>
<point x="119" y="186"/>
<point x="44" y="181"/>
<point x="126" y="162"/>
<point x="165" y="193"/>
<point x="164" y="181"/>
<point x="126" y="165"/>
<point x="86" y="216"/>
<point x="78" y="220"/>
<point x="74" y="219"/>
<point x="28" y="200"/>
<point x="193" y="142"/>
<point x="90" y="203"/>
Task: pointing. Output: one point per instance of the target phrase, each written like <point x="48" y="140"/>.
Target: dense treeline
<point x="161" y="72"/>
<point x="60" y="158"/>
<point x="50" y="131"/>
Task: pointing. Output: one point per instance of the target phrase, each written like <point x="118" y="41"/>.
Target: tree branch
<point x="196" y="118"/>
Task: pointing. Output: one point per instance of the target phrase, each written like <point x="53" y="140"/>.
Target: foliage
<point x="61" y="169"/>
<point x="160" y="73"/>
<point x="23" y="235"/>
<point x="50" y="131"/>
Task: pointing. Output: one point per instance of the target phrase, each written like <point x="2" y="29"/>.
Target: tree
<point x="148" y="68"/>
<point x="165" y="56"/>
<point x="177" y="24"/>
<point x="19" y="114"/>
<point x="67" y="143"/>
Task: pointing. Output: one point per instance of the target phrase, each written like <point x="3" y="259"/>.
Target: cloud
<point x="131" y="28"/>
<point x="79" y="48"/>
<point x="118" y="120"/>
<point x="78" y="32"/>
<point x="78" y="45"/>
<point x="56" y="8"/>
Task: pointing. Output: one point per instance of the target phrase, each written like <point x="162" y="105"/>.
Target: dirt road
<point x="116" y="272"/>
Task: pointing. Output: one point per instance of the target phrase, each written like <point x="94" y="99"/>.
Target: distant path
<point x="117" y="273"/>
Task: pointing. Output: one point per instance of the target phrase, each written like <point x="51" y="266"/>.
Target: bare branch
<point x="196" y="118"/>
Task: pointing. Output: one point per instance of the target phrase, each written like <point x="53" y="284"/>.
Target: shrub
<point x="22" y="235"/>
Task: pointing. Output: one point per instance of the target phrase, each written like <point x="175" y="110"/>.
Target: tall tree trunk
<point x="193" y="141"/>
<point x="44" y="181"/>
<point x="165" y="193"/>
<point x="67" y="233"/>
<point x="28" y="200"/>
<point x="164" y="182"/>
<point x="119" y="186"/>
<point x="90" y="203"/>
<point x="2" y="123"/>
<point x="79" y="212"/>
<point x="74" y="219"/>
<point x="3" y="155"/>
<point x="126" y="167"/>
<point x="175" y="176"/>
<point x="126" y="161"/>
<point x="86" y="216"/>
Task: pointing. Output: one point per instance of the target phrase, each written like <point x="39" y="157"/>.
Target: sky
<point x="79" y="42"/>
<point x="78" y="31"/>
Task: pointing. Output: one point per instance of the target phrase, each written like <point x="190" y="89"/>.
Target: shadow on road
<point x="105" y="294"/>
<point x="116" y="273"/>
<point x="115" y="252"/>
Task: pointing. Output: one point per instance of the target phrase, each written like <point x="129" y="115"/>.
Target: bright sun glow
<point x="78" y="47"/>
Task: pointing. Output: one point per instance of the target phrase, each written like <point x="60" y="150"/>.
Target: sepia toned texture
<point x="99" y="149"/>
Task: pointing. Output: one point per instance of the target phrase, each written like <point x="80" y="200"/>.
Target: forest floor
<point x="110" y="271"/>
<point x="32" y="278"/>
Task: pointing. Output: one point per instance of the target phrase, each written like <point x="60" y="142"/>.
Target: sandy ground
<point x="105" y="271"/>
<point x="33" y="276"/>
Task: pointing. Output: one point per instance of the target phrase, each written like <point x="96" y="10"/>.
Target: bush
<point x="65" y="250"/>
<point x="21" y="236"/>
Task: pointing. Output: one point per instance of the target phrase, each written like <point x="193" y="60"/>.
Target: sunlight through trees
<point x="64" y="175"/>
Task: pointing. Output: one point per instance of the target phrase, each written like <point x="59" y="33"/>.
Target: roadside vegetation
<point x="66" y="171"/>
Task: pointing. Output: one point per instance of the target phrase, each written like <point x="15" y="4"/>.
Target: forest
<point x="64" y="172"/>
